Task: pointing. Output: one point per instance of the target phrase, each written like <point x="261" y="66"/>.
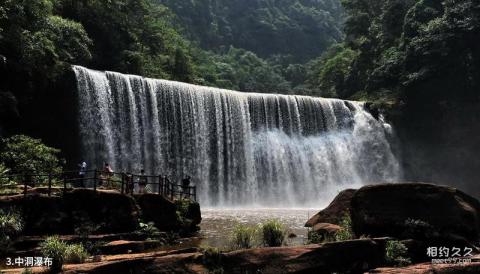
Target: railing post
<point x="123" y="183"/>
<point x="167" y="189"/>
<point x="164" y="185"/>
<point x="64" y="183"/>
<point x="95" y="180"/>
<point x="24" y="186"/>
<point x="49" y="184"/>
<point x="159" y="190"/>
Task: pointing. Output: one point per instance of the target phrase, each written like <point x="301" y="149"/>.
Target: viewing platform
<point x="124" y="182"/>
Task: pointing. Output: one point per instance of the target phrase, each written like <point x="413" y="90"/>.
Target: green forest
<point x="384" y="51"/>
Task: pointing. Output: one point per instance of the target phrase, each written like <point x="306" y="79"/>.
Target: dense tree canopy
<point x="391" y="48"/>
<point x="302" y="29"/>
<point x="23" y="154"/>
<point x="416" y="49"/>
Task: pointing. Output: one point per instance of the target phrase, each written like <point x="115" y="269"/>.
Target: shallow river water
<point x="218" y="224"/>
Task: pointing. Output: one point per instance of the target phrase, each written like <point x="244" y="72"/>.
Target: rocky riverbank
<point x="106" y="210"/>
<point x="356" y="256"/>
<point x="93" y="223"/>
<point x="415" y="216"/>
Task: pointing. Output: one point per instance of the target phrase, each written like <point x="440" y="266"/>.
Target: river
<point x="218" y="224"/>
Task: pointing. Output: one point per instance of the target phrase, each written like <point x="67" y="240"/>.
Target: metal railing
<point x="124" y="182"/>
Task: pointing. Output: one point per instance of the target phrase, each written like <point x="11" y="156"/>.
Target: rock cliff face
<point x="165" y="214"/>
<point x="438" y="142"/>
<point x="108" y="211"/>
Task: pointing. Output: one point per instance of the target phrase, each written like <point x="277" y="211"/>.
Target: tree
<point x="182" y="67"/>
<point x="420" y="50"/>
<point x="329" y="73"/>
<point x="38" y="40"/>
<point x="21" y="153"/>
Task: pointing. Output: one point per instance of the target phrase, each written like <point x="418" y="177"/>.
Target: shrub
<point x="396" y="253"/>
<point x="11" y="225"/>
<point x="273" y="233"/>
<point x="3" y="172"/>
<point x="54" y="248"/>
<point x="314" y="237"/>
<point x="318" y="238"/>
<point x="182" y="206"/>
<point x="75" y="254"/>
<point x="21" y="153"/>
<point x="149" y="230"/>
<point x="346" y="233"/>
<point x="243" y="237"/>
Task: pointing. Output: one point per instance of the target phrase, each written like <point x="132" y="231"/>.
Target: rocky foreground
<point x="345" y="257"/>
<point x="420" y="216"/>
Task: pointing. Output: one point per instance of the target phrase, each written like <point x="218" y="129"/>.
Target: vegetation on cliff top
<point x="384" y="51"/>
<point x="203" y="42"/>
<point x="419" y="50"/>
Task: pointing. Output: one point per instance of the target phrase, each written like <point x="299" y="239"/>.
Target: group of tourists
<point x="133" y="183"/>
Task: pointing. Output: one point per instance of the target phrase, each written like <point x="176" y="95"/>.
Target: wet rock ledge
<point x="109" y="211"/>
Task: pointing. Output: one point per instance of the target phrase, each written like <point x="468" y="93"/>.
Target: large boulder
<point x="110" y="210"/>
<point x="41" y="214"/>
<point x="159" y="210"/>
<point x="193" y="213"/>
<point x="105" y="211"/>
<point x="168" y="215"/>
<point x="335" y="211"/>
<point x="415" y="210"/>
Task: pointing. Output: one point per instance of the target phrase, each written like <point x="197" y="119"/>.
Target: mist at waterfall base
<point x="240" y="149"/>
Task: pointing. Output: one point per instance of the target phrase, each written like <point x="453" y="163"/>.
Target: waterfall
<point x="240" y="149"/>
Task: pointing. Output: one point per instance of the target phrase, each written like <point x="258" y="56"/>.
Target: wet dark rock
<point x="112" y="211"/>
<point x="41" y="214"/>
<point x="335" y="211"/>
<point x="194" y="214"/>
<point x="98" y="212"/>
<point x="415" y="211"/>
<point x="159" y="210"/>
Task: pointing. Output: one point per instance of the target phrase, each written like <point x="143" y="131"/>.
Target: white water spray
<point x="241" y="149"/>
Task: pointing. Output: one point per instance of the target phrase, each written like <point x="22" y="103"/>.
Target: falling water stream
<point x="241" y="149"/>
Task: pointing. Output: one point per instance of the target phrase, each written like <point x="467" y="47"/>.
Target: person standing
<point x="81" y="173"/>
<point x="129" y="181"/>
<point x="107" y="174"/>
<point x="186" y="187"/>
<point x="142" y="182"/>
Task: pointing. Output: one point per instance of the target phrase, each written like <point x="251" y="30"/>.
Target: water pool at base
<point x="218" y="224"/>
